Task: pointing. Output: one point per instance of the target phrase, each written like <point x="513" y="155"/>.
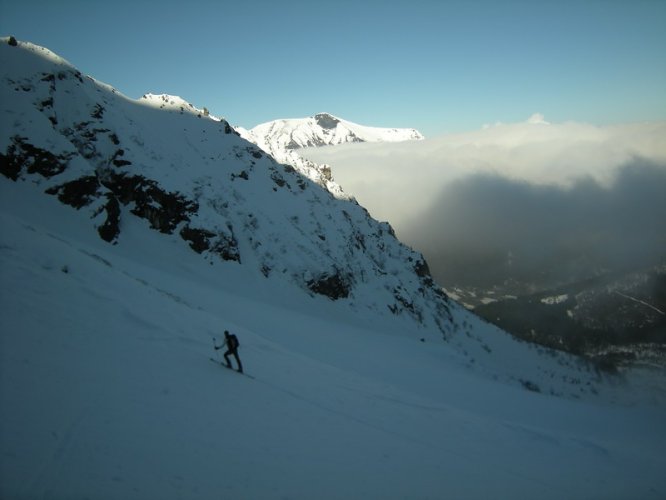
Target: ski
<point x="232" y="369"/>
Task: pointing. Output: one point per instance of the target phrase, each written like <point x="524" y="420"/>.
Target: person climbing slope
<point x="232" y="344"/>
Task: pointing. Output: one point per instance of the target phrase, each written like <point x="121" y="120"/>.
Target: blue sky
<point x="439" y="66"/>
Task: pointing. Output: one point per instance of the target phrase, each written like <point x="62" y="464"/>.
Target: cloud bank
<point x="532" y="201"/>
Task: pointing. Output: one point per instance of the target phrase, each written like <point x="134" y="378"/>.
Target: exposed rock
<point x="326" y="121"/>
<point x="163" y="210"/>
<point x="333" y="286"/>
<point x="23" y="156"/>
<point x="110" y="229"/>
<point x="77" y="193"/>
<point x="199" y="239"/>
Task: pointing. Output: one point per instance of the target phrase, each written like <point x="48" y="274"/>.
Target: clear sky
<point x="439" y="66"/>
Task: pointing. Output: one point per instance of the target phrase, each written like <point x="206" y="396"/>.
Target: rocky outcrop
<point x="333" y="285"/>
<point x="21" y="156"/>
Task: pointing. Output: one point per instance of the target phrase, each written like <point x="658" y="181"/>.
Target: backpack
<point x="233" y="342"/>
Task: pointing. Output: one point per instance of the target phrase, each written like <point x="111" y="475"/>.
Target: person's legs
<point x="240" y="366"/>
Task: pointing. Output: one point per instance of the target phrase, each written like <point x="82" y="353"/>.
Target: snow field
<point x="107" y="391"/>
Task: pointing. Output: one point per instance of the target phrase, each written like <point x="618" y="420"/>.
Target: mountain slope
<point x="191" y="175"/>
<point x="136" y="232"/>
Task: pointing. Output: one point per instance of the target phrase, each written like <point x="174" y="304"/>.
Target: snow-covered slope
<point x="133" y="235"/>
<point x="106" y="390"/>
<point x="190" y="175"/>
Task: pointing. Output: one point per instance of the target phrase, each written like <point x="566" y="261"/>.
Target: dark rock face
<point x="110" y="229"/>
<point x="221" y="244"/>
<point x="164" y="210"/>
<point x="334" y="286"/>
<point x="422" y="269"/>
<point x="326" y="121"/>
<point x="199" y="239"/>
<point x="23" y="156"/>
<point x="77" y="193"/>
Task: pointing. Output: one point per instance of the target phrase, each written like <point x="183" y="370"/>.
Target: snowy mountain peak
<point x="174" y="103"/>
<point x="28" y="50"/>
<point x="322" y="129"/>
<point x="166" y="101"/>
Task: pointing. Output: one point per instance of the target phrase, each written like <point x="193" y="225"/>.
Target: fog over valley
<point x="533" y="201"/>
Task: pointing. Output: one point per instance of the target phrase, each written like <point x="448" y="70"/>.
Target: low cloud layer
<point x="531" y="202"/>
<point x="486" y="229"/>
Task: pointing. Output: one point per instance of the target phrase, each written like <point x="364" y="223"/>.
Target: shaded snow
<point x="107" y="390"/>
